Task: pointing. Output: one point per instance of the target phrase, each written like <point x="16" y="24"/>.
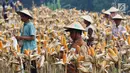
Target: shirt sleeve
<point x="32" y="30"/>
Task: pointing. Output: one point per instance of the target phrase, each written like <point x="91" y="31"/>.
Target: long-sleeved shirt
<point x="118" y="31"/>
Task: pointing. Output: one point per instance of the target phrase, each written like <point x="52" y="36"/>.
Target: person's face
<point x="72" y="35"/>
<point x="86" y="22"/>
<point x="106" y="16"/>
<point x="113" y="14"/>
<point x="24" y="18"/>
<point x="117" y="21"/>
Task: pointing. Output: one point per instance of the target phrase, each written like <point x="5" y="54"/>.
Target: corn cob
<point x="45" y="44"/>
<point x="81" y="58"/>
<point x="98" y="46"/>
<point x="127" y="28"/>
<point x="66" y="47"/>
<point x="52" y="50"/>
<point x="64" y="41"/>
<point x="85" y="33"/>
<point x="39" y="50"/>
<point x="49" y="50"/>
<point x="62" y="38"/>
<point x="18" y="49"/>
<point x="92" y="51"/>
<point x="78" y="48"/>
<point x="112" y="52"/>
<point x="1" y="45"/>
<point x="104" y="45"/>
<point x="64" y="58"/>
<point x="58" y="48"/>
<point x="128" y="39"/>
<point x="26" y="52"/>
<point x="89" y="51"/>
<point x="115" y="50"/>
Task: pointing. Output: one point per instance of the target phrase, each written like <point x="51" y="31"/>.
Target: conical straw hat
<point x="75" y="25"/>
<point x="117" y="16"/>
<point x="26" y="12"/>
<point x="113" y="9"/>
<point x="88" y="18"/>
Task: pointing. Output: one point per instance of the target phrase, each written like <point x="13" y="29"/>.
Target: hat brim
<point x="69" y="29"/>
<point x="118" y="19"/>
<point x="18" y="12"/>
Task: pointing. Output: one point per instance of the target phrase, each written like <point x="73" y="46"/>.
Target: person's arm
<point x="25" y="37"/>
<point x="90" y="32"/>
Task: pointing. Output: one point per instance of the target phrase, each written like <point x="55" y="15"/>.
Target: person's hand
<point x="18" y="37"/>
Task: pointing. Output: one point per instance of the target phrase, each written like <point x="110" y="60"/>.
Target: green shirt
<point x="29" y="30"/>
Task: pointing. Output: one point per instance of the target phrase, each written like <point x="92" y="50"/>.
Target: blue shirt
<point x="29" y="30"/>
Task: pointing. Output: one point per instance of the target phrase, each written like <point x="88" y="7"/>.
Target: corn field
<point x="107" y="55"/>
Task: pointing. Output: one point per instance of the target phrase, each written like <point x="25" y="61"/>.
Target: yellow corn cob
<point x="38" y="38"/>
<point x="66" y="47"/>
<point x="112" y="52"/>
<point x="1" y="45"/>
<point x="127" y="28"/>
<point x="98" y="46"/>
<point x="52" y="50"/>
<point x="64" y="57"/>
<point x="26" y="52"/>
<point x="113" y="38"/>
<point x="115" y="50"/>
<point x="92" y="51"/>
<point x="45" y="44"/>
<point x="58" y="48"/>
<point x="64" y="41"/>
<point x="5" y="37"/>
<point x="89" y="51"/>
<point x="85" y="33"/>
<point x="81" y="58"/>
<point x="0" y="33"/>
<point x="39" y="50"/>
<point x="78" y="49"/>
<point x="49" y="50"/>
<point x="128" y="39"/>
<point x="18" y="49"/>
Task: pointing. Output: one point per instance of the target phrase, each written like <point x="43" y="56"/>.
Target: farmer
<point x="106" y="14"/>
<point x="76" y="30"/>
<point x="113" y="11"/>
<point x="7" y="5"/>
<point x="90" y="29"/>
<point x="118" y="29"/>
<point x="28" y="34"/>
